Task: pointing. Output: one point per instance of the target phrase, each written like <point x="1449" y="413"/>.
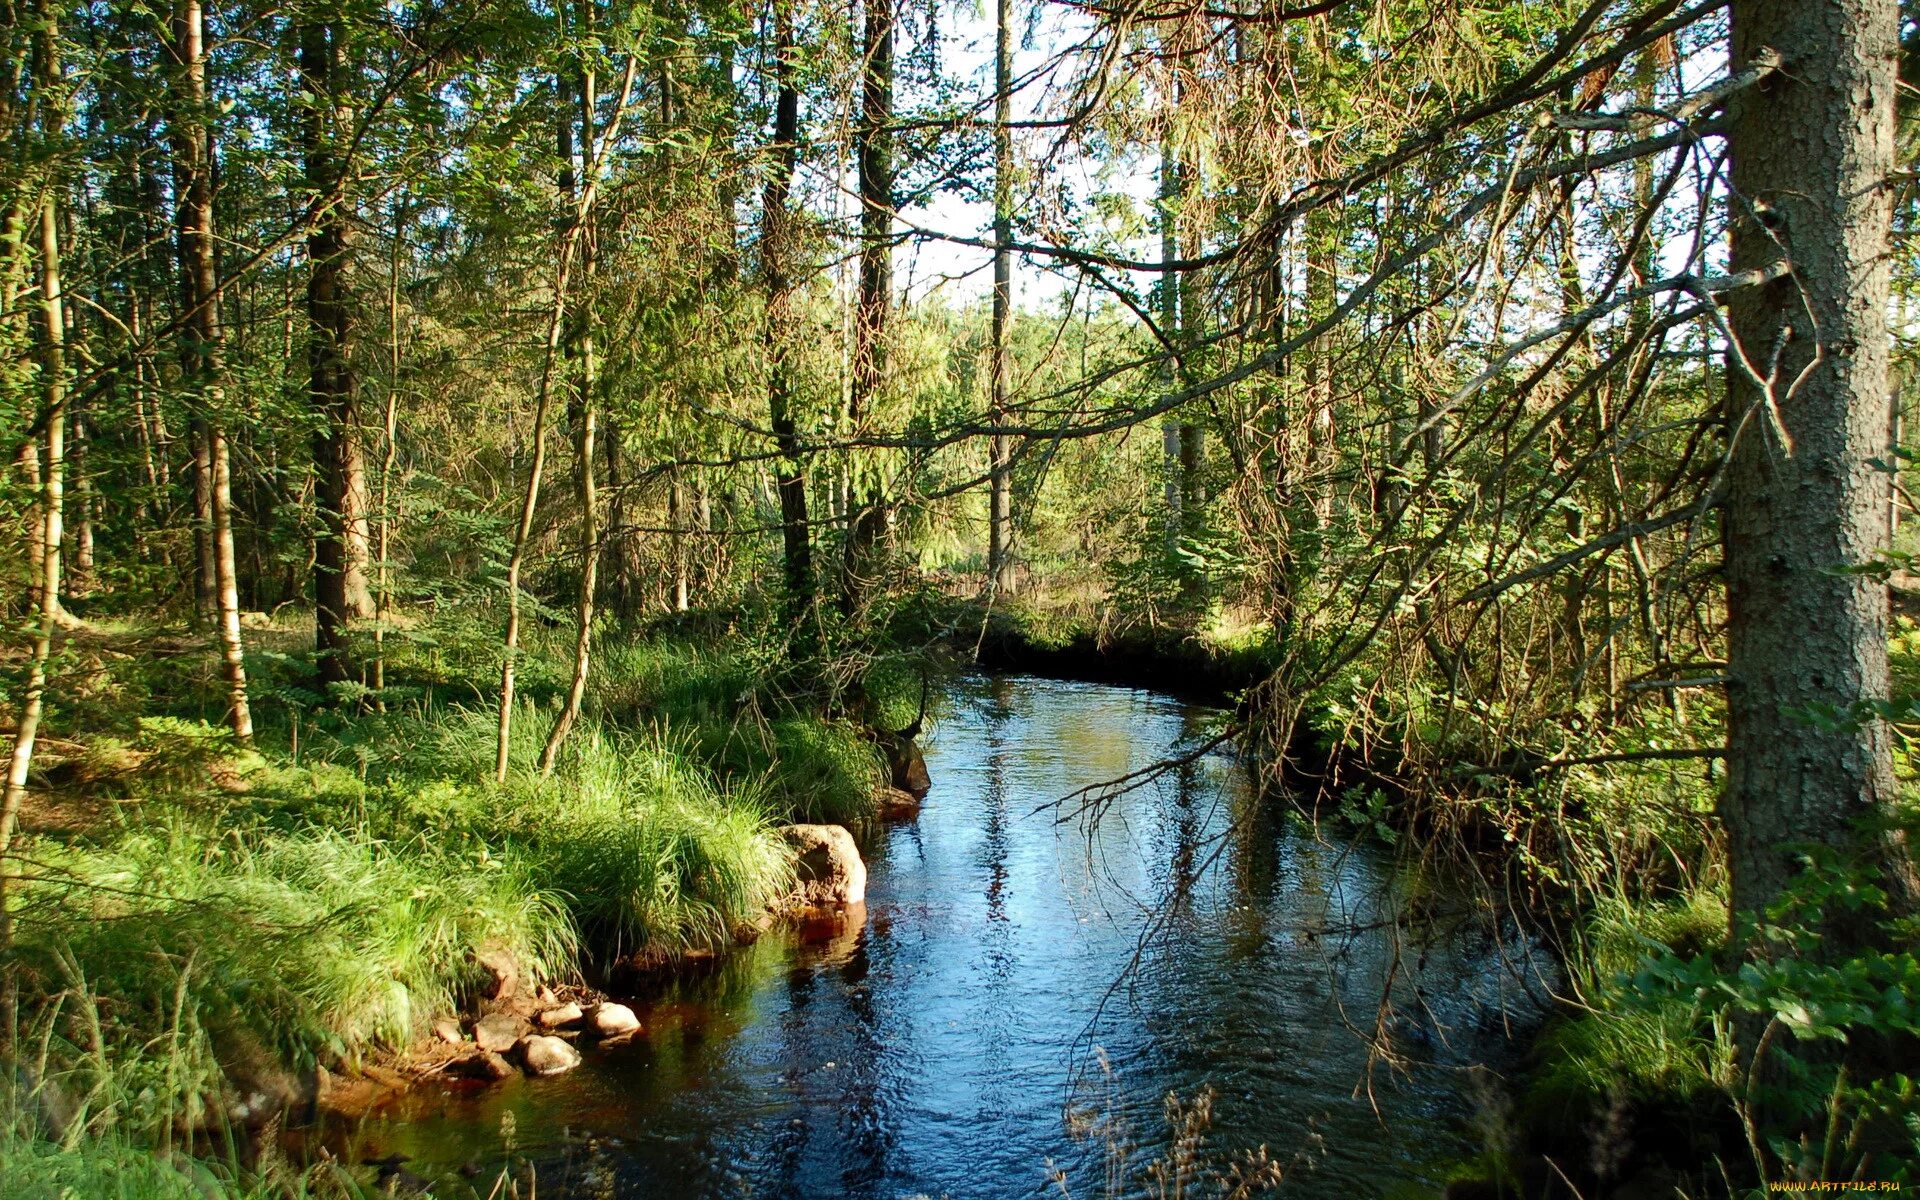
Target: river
<point x="1022" y="993"/>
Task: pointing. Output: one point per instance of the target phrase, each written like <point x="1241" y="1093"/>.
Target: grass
<point x="199" y="922"/>
<point x="1624" y="1047"/>
<point x="117" y="1169"/>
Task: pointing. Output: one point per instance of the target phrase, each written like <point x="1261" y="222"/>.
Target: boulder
<point x="555" y="1018"/>
<point x="827" y="865"/>
<point x="546" y="1055"/>
<point x="449" y="1031"/>
<point x="498" y="1032"/>
<point x="612" y="1020"/>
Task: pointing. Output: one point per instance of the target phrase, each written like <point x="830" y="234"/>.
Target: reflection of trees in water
<point x="995" y="847"/>
<point x="835" y="1057"/>
<point x="1271" y="958"/>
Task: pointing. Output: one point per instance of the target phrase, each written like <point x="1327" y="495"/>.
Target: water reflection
<point x="932" y="1044"/>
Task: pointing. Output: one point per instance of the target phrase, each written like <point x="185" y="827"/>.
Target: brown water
<point x="1000" y="979"/>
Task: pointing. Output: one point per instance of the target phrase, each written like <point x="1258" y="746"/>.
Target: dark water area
<point x="998" y="1012"/>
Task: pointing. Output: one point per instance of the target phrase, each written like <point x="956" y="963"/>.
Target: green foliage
<point x="1620" y="1044"/>
<point x="1818" y="1090"/>
<point x="113" y="1168"/>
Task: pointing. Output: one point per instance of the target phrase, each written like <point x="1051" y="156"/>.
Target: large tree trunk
<point x="1812" y="149"/>
<point x="1807" y="412"/>
<point x="1001" y="580"/>
<point x="778" y="249"/>
<point x="201" y="361"/>
<point x="873" y="314"/>
<point x="340" y="548"/>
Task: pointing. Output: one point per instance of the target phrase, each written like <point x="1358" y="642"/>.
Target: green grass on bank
<point x="111" y="1168"/>
<point x="1627" y="1047"/>
<point x="200" y="923"/>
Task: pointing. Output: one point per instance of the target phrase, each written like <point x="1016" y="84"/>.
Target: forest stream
<point x="987" y="1022"/>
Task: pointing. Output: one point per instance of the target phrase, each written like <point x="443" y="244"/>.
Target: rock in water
<point x="498" y="1032"/>
<point x="907" y="767"/>
<point x="488" y="1065"/>
<point x="896" y="805"/>
<point x="544" y="1055"/>
<point x="612" y="1020"/>
<point x="828" y="865"/>
<point x="554" y="1018"/>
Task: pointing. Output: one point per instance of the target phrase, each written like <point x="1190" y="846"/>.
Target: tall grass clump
<point x="649" y="851"/>
<point x="321" y="943"/>
<point x="715" y="704"/>
<point x="1623" y="1046"/>
<point x="655" y="857"/>
<point x="677" y="684"/>
<point x="113" y="1168"/>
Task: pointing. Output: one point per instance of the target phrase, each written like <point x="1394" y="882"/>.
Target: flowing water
<point x="1022" y="993"/>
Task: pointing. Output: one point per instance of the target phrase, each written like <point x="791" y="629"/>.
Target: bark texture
<point x="778" y="251"/>
<point x="201" y="360"/>
<point x="1807" y="407"/>
<point x="866" y="517"/>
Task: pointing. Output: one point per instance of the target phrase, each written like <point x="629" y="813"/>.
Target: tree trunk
<point x="340" y="548"/>
<point x="202" y="363"/>
<point x="530" y="498"/>
<point x="1321" y="295"/>
<point x="677" y="521"/>
<point x="389" y="456"/>
<point x="580" y="347"/>
<point x="53" y="383"/>
<point x="621" y="587"/>
<point x="874" y="311"/>
<point x="1812" y="148"/>
<point x="206" y="585"/>
<point x="1001" y="580"/>
<point x="777" y="252"/>
<point x="82" y="575"/>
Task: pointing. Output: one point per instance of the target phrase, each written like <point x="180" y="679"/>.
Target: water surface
<point x="1024" y="991"/>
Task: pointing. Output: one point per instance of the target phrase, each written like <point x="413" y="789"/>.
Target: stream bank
<point x="995" y="1012"/>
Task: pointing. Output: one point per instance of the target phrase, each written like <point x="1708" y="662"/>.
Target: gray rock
<point x="612" y="1020"/>
<point x="544" y="1055"/>
<point x="555" y="1018"/>
<point x="827" y="864"/>
<point x="498" y="1031"/>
